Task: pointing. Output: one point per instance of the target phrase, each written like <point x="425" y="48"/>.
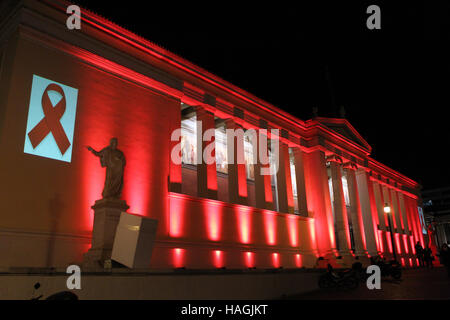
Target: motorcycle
<point x="63" y="295"/>
<point x="391" y="268"/>
<point x="346" y="279"/>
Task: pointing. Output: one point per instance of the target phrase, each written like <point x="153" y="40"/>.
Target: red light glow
<point x="270" y="227"/>
<point x="213" y="218"/>
<point x="95" y="134"/>
<point x="413" y="248"/>
<point x="312" y="233"/>
<point x="242" y="180"/>
<point x="92" y="188"/>
<point x="176" y="217"/>
<point x="275" y="260"/>
<point x="380" y="242"/>
<point x="375" y="220"/>
<point x="178" y="258"/>
<point x="249" y="259"/>
<point x="218" y="258"/>
<point x="405" y="243"/>
<point x="138" y="171"/>
<point x="244" y="216"/>
<point x="292" y="224"/>
<point x="298" y="260"/>
<point x="397" y="242"/>
<point x="389" y="241"/>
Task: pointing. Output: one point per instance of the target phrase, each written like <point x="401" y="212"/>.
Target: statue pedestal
<point x="133" y="244"/>
<point x="106" y="218"/>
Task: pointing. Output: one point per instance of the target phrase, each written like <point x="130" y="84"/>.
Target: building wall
<point x="45" y="210"/>
<point x="207" y="233"/>
<point x="41" y="195"/>
<point x="45" y="214"/>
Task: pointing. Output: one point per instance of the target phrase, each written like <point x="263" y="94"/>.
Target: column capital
<point x="297" y="150"/>
<point x="231" y="123"/>
<point x="350" y="166"/>
<point x="202" y="110"/>
<point x="334" y="158"/>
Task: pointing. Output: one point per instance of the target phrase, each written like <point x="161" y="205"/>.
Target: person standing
<point x="419" y="253"/>
<point x="428" y="257"/>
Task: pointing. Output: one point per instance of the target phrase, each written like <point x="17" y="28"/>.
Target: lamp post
<point x="387" y="210"/>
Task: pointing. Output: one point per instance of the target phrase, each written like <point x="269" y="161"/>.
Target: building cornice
<point x="167" y="58"/>
<point x="114" y="47"/>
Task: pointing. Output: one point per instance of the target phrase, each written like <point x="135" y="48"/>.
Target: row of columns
<point x="341" y="219"/>
<point x="367" y="197"/>
<point x="237" y="177"/>
<point x="403" y="220"/>
<point x="366" y="209"/>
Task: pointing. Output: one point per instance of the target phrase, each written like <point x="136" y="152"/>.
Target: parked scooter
<point x="63" y="295"/>
<point x="391" y="268"/>
<point x="346" y="279"/>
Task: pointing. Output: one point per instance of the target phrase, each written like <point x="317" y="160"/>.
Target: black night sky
<point x="394" y="83"/>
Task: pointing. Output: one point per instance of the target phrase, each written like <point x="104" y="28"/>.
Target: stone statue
<point x="431" y="237"/>
<point x="114" y="161"/>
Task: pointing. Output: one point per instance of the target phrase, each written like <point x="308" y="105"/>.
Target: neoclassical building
<point x="62" y="90"/>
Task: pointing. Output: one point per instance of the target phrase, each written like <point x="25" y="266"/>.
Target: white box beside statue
<point x="133" y="242"/>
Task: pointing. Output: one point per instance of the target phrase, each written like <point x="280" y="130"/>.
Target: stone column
<point x="237" y="176"/>
<point x="412" y="228"/>
<point x="319" y="203"/>
<point x="355" y="210"/>
<point x="404" y="216"/>
<point x="106" y="218"/>
<point x="340" y="209"/>
<point x="391" y="221"/>
<point x="206" y="164"/>
<point x="368" y="210"/>
<point x="284" y="184"/>
<point x="300" y="179"/>
<point x="381" y="217"/>
<point x="402" y="228"/>
<point x="263" y="185"/>
<point x="175" y="179"/>
<point x="395" y="211"/>
<point x="412" y="204"/>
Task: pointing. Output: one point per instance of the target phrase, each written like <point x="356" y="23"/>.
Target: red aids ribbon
<point x="50" y="122"/>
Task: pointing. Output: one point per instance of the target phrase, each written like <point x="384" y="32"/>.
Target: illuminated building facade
<point x="436" y="204"/>
<point x="326" y="199"/>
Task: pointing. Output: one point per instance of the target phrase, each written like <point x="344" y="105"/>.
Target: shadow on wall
<point x="55" y="207"/>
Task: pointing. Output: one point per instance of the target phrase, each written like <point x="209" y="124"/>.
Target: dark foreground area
<point x="420" y="284"/>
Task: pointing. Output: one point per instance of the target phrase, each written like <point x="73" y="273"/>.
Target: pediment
<point x="345" y="129"/>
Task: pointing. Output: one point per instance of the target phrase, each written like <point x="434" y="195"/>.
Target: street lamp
<point x="387" y="210"/>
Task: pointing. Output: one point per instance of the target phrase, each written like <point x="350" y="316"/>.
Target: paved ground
<point x="415" y="284"/>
